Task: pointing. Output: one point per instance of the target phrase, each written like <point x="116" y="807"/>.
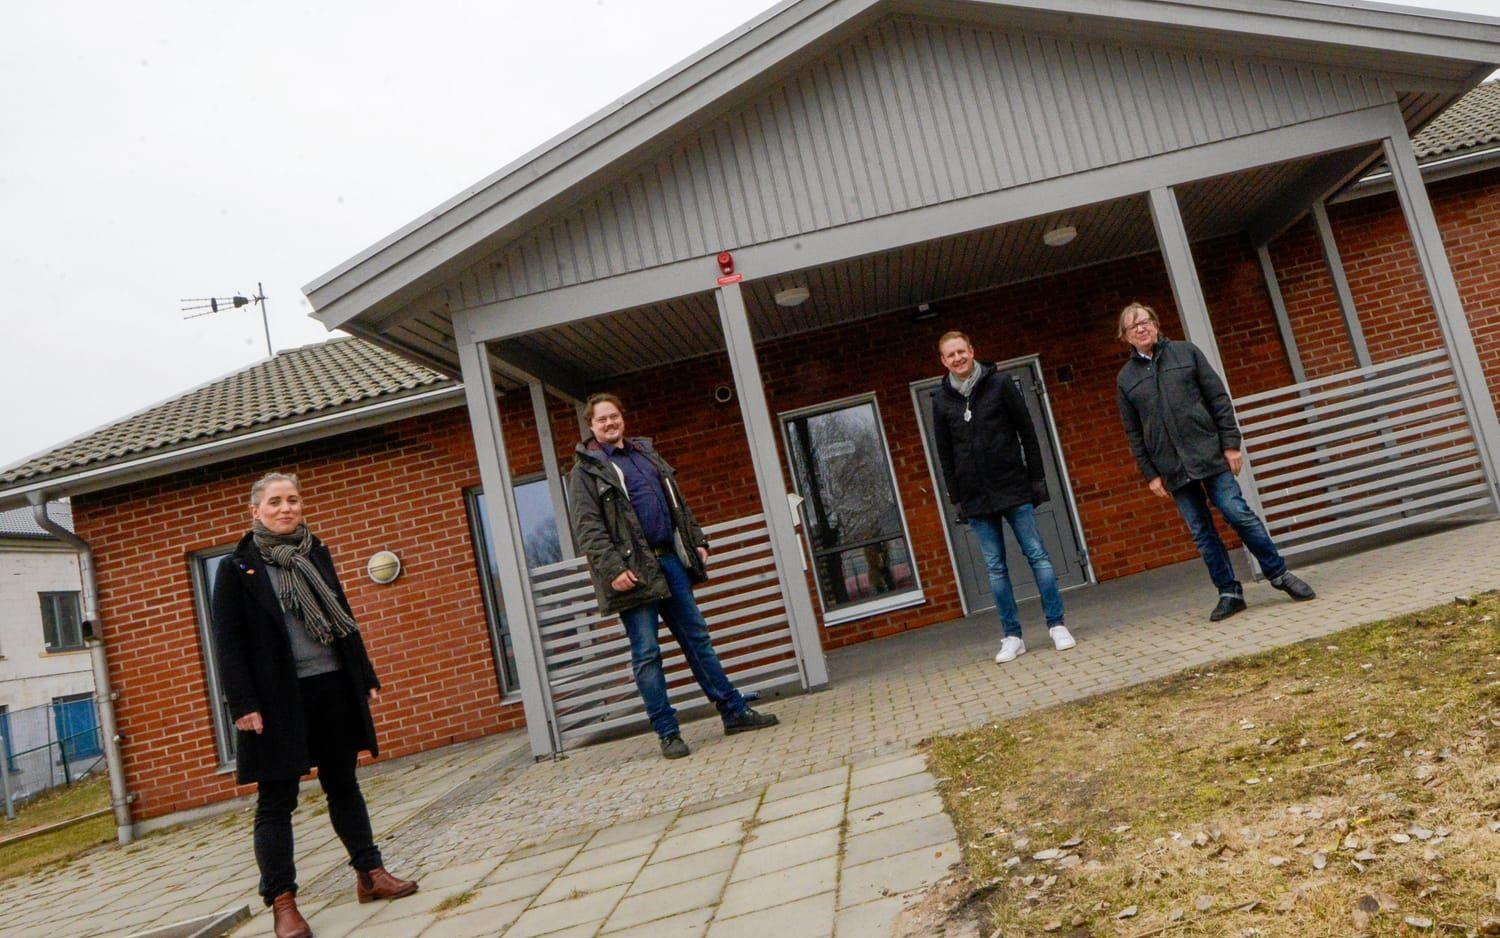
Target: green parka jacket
<point x="609" y="534"/>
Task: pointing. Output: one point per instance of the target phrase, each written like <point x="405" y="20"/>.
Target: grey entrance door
<point x="1055" y="518"/>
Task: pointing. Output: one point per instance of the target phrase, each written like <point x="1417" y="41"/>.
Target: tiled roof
<point x="338" y="375"/>
<point x="1472" y="122"/>
<point x="348" y="373"/>
<point x="19" y="522"/>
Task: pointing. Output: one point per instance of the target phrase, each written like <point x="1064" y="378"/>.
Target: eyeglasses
<point x="1139" y="324"/>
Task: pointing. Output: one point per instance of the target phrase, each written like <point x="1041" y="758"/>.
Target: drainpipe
<point x="119" y="798"/>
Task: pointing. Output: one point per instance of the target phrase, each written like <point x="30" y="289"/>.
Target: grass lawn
<point x="50" y="808"/>
<point x="1344" y="786"/>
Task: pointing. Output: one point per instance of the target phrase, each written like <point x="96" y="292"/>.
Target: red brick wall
<point x="398" y="487"/>
<point x="1066" y="320"/>
<point x="402" y="486"/>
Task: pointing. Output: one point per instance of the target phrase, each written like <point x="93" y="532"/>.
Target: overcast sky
<point x="151" y="151"/>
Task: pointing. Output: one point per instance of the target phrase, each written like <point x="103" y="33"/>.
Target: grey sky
<point x="157" y="150"/>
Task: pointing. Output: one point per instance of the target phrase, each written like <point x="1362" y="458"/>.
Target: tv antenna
<point x="208" y="305"/>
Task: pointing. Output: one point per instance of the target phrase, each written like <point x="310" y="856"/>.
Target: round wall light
<point x="1057" y="237"/>
<point x="384" y="567"/>
<point x="792" y="296"/>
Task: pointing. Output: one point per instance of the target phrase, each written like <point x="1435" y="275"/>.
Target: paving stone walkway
<point x="801" y="829"/>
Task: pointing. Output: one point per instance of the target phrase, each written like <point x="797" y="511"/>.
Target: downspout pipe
<point x="119" y="798"/>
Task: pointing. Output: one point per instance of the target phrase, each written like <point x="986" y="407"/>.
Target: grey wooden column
<point x="1176" y="250"/>
<point x="551" y="468"/>
<point x="1459" y="340"/>
<point x="505" y="536"/>
<point x="740" y="343"/>
<point x="1341" y="289"/>
<point x="1278" y="307"/>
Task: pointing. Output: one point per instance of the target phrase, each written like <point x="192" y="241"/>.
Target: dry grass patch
<point x="1342" y="786"/>
<point x="61" y="804"/>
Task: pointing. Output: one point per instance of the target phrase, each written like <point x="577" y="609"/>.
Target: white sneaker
<point x="1009" y="649"/>
<point x="1062" y="639"/>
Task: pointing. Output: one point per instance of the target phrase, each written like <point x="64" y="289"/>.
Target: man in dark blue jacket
<point x="1180" y="423"/>
<point x="992" y="468"/>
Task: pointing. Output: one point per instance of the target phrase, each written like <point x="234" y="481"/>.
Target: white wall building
<point x="43" y="659"/>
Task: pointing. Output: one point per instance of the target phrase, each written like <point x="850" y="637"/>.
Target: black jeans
<point x="332" y="727"/>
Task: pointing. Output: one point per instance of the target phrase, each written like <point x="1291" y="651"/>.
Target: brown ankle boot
<point x="378" y="884"/>
<point x="289" y="922"/>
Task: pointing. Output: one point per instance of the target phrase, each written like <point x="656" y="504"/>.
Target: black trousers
<point x="332" y="727"/>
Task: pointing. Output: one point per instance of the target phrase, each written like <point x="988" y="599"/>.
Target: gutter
<point x="1433" y="170"/>
<point x="119" y="797"/>
<point x="275" y="436"/>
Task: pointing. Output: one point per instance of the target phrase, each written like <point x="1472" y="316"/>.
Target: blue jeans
<point x="686" y="623"/>
<point x="992" y="545"/>
<point x="1224" y="492"/>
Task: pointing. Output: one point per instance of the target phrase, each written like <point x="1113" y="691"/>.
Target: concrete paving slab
<point x="631" y="830"/>
<point x="806" y="918"/>
<point x="889" y="813"/>
<point x="890" y="790"/>
<point x="868" y="919"/>
<point x="692" y="924"/>
<point x="570" y="913"/>
<point x="866" y="774"/>
<point x="896" y="874"/>
<point x="571" y="885"/>
<point x="701" y="893"/>
<point x="659" y="875"/>
<point x="788" y="853"/>
<point x="798" y="785"/>
<point x="590" y="858"/>
<point x="681" y="845"/>
<point x="898" y="838"/>
<point x="800" y="803"/>
<point x="779" y="888"/>
<point x="737" y="810"/>
<point x="798" y="825"/>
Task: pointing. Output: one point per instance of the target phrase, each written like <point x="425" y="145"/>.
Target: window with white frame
<point x="861" y="551"/>
<point x="62" y="624"/>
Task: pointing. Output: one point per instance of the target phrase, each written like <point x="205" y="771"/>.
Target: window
<point x="62" y="626"/>
<point x="77" y="727"/>
<point x="204" y="566"/>
<point x="855" y="527"/>
<point x="542" y="545"/>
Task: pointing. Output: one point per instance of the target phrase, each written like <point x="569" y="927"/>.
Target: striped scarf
<point x="304" y="593"/>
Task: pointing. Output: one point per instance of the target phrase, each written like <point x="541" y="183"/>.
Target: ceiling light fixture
<point x="792" y="296"/>
<point x="1057" y="237"/>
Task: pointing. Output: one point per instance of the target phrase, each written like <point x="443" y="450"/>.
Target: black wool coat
<point x="258" y="674"/>
<point x="991" y="462"/>
<point x="1177" y="414"/>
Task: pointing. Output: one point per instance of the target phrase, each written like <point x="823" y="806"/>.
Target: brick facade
<point x="401" y="486"/>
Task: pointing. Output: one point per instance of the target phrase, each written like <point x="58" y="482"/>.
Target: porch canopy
<point x="885" y="153"/>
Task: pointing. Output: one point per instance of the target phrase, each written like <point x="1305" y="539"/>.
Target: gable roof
<point x="1471" y="123"/>
<point x="1437" y="50"/>
<point x="21" y="523"/>
<point x="321" y="382"/>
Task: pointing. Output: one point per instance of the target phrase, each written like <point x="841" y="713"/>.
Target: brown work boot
<point x="289" y="922"/>
<point x="378" y="884"/>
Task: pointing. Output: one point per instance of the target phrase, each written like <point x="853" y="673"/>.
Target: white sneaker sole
<point x="1002" y="659"/>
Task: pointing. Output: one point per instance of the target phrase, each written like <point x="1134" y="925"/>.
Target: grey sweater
<point x="310" y="656"/>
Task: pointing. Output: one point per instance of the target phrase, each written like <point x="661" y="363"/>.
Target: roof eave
<point x="260" y="440"/>
<point x="400" y="266"/>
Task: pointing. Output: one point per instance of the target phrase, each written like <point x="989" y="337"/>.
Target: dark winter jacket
<point x="1177" y="414"/>
<point x="991" y="462"/>
<point x="609" y="534"/>
<point x="258" y="674"/>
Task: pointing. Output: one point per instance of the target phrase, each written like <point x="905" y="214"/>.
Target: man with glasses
<point x="1182" y="431"/>
<point x="645" y="552"/>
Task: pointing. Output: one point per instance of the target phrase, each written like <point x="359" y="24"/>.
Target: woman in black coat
<point x="299" y="685"/>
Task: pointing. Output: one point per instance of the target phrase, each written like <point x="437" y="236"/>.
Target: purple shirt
<point x="647" y="495"/>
